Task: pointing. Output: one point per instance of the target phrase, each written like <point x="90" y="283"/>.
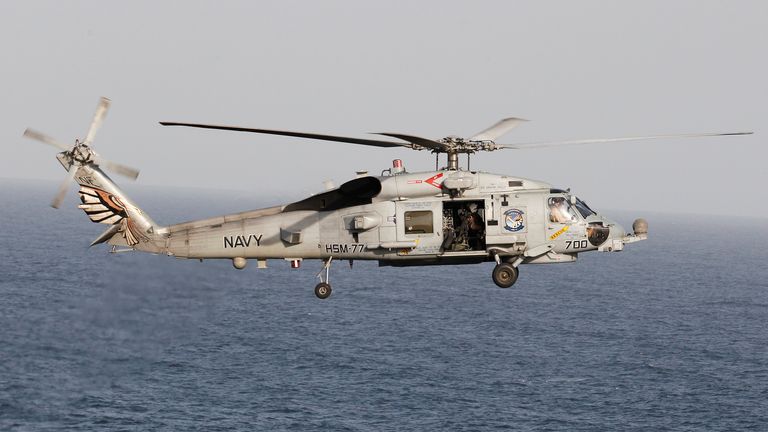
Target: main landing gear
<point x="505" y="275"/>
<point x="323" y="289"/>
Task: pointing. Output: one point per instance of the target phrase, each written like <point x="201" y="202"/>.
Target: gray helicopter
<point x="448" y="216"/>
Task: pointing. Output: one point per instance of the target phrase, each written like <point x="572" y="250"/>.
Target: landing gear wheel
<point x="323" y="290"/>
<point x="505" y="275"/>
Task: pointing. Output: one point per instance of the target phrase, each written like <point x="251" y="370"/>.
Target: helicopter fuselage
<point x="438" y="217"/>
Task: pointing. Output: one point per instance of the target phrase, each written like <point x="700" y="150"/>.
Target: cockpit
<point x="583" y="208"/>
<point x="566" y="210"/>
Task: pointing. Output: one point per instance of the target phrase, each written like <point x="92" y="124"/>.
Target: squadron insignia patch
<point x="513" y="220"/>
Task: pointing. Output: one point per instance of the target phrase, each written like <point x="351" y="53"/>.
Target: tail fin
<point x="105" y="203"/>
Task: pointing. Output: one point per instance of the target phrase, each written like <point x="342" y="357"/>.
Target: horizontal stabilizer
<point x="106" y="235"/>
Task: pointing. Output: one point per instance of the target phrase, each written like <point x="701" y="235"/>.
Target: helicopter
<point x="449" y="216"/>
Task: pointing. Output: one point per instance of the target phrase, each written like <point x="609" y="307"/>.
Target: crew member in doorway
<point x="475" y="228"/>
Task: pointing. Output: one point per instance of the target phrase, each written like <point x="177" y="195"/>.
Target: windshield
<point x="584" y="208"/>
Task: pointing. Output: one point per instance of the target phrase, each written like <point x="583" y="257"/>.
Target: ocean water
<point x="668" y="335"/>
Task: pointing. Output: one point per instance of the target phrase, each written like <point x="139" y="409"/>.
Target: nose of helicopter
<point x="617" y="231"/>
<point x="618" y="236"/>
<point x="614" y="241"/>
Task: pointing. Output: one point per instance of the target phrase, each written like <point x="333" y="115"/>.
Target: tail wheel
<point x="323" y="290"/>
<point x="505" y="275"/>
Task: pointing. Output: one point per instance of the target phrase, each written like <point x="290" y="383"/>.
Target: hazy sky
<point x="575" y="69"/>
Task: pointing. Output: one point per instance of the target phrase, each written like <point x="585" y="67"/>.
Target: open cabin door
<point x="419" y="222"/>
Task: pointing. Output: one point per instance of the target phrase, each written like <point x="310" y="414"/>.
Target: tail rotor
<point x="82" y="153"/>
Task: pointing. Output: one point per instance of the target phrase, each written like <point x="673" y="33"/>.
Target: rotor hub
<point x="454" y="144"/>
<point x="81" y="153"/>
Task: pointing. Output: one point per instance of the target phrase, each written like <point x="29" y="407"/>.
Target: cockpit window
<point x="560" y="211"/>
<point x="583" y="208"/>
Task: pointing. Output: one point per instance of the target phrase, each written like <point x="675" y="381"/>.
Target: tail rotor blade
<point x="57" y="200"/>
<point x="98" y="118"/>
<point x="35" y="135"/>
<point x="123" y="170"/>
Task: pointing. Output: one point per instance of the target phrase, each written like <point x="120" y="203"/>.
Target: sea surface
<point x="670" y="334"/>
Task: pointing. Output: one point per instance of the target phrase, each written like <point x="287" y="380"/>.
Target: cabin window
<point x="560" y="211"/>
<point x="418" y="222"/>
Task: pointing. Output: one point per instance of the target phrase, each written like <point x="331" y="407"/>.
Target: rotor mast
<point x="453" y="160"/>
<point x="453" y="146"/>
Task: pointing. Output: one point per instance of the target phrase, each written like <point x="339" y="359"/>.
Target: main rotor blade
<point x="62" y="192"/>
<point x="543" y="144"/>
<point x="123" y="170"/>
<point x="423" y="142"/>
<point x="322" y="137"/>
<point x="29" y="133"/>
<point x="500" y="128"/>
<point x="98" y="118"/>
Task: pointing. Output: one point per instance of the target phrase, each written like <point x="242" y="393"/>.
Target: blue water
<point x="668" y="335"/>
